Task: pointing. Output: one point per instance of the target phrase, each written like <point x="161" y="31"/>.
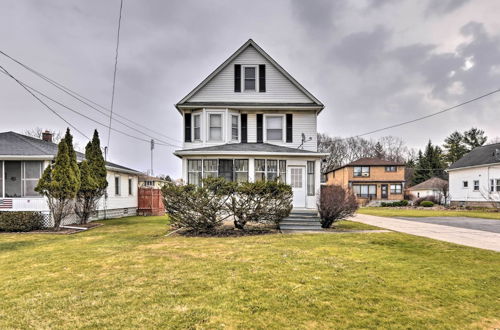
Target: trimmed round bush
<point x="427" y="204"/>
<point x="20" y="221"/>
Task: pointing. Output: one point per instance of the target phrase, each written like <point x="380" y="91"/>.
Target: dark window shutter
<point x="289" y="128"/>
<point x="259" y="128"/>
<point x="244" y="121"/>
<point x="187" y="127"/>
<point x="237" y="78"/>
<point x="262" y="77"/>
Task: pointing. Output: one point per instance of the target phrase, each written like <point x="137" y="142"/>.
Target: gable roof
<point x="251" y="43"/>
<point x="247" y="148"/>
<point x="368" y="161"/>
<point x="15" y="144"/>
<point x="484" y="155"/>
<point x="432" y="183"/>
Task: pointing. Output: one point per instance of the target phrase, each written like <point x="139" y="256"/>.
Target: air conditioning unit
<point x="365" y="174"/>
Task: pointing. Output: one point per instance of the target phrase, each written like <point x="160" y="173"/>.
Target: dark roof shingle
<point x="15" y="144"/>
<point x="487" y="154"/>
<point x="432" y="183"/>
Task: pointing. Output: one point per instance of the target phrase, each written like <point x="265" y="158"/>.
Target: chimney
<point x="47" y="136"/>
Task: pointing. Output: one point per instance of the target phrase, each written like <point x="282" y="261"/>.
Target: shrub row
<point x="205" y="208"/>
<point x="20" y="221"/>
<point x="400" y="203"/>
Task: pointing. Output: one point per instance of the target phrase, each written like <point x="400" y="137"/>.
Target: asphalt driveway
<point x="493" y="226"/>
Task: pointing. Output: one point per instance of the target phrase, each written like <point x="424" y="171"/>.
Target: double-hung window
<point x="234" y="128"/>
<point x="241" y="170"/>
<point x="260" y="170"/>
<point x="310" y="178"/>
<point x="274" y="128"/>
<point x="197" y="127"/>
<point x="117" y="186"/>
<point x="194" y="171"/>
<point x="396" y="189"/>
<point x="215" y="129"/>
<point x="250" y="78"/>
<point x="32" y="173"/>
<point x="361" y="171"/>
<point x="476" y="185"/>
<point x="210" y="168"/>
<point x="390" y="168"/>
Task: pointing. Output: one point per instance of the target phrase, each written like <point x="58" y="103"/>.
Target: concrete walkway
<point x="468" y="237"/>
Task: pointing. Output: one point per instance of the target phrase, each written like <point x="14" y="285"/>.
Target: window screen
<point x="210" y="168"/>
<point x="194" y="171"/>
<point x="215" y="127"/>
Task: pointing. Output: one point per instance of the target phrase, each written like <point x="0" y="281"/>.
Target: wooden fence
<point x="150" y="202"/>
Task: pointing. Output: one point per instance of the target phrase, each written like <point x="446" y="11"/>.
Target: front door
<point x="384" y="191"/>
<point x="297" y="180"/>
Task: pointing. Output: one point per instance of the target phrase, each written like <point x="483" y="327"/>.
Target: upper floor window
<point x="361" y="171"/>
<point x="234" y="127"/>
<point x="274" y="128"/>
<point x="215" y="129"/>
<point x="250" y="78"/>
<point x="390" y="168"/>
<point x="197" y="127"/>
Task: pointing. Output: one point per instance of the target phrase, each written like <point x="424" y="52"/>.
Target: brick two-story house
<point x="371" y="179"/>
<point x="251" y="120"/>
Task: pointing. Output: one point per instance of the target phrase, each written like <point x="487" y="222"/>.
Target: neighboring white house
<point x="250" y="120"/>
<point x="474" y="180"/>
<point x="22" y="162"/>
<point x="435" y="187"/>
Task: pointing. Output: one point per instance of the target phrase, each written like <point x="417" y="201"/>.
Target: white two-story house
<point x="251" y="120"/>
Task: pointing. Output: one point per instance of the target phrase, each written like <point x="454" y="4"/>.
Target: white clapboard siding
<point x="278" y="87"/>
<point x="483" y="174"/>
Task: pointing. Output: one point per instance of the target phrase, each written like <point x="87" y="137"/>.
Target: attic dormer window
<point x="250" y="78"/>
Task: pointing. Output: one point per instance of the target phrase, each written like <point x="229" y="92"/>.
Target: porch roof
<point x="248" y="149"/>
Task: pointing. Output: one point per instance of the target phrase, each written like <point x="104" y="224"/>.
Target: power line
<point x="30" y="88"/>
<point x="88" y="102"/>
<point x="431" y="115"/>
<point x="114" y="73"/>
<point x="45" y="104"/>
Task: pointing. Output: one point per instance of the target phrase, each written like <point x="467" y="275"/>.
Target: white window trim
<point x="237" y="115"/>
<point x="192" y="127"/>
<point x="474" y="185"/>
<point x="283" y="128"/>
<point x="256" y="78"/>
<point x="131" y="186"/>
<point x="223" y="120"/>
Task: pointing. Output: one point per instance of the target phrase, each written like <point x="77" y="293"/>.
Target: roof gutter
<point x="473" y="166"/>
<point x="250" y="153"/>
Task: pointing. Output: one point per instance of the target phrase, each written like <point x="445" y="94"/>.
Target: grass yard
<point x="126" y="274"/>
<point x="395" y="212"/>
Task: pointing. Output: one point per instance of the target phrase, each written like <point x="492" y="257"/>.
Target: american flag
<point x="5" y="203"/>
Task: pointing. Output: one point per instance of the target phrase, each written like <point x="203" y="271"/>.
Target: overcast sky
<point x="372" y="63"/>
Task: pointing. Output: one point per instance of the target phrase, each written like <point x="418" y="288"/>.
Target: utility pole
<point x="152" y="148"/>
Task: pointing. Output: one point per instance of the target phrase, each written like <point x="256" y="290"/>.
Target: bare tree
<point x="444" y="193"/>
<point x="38" y="131"/>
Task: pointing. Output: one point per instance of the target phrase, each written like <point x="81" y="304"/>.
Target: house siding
<point x="467" y="196"/>
<point x="278" y="87"/>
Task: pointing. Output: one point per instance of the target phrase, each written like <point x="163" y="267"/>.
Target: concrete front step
<point x="301" y="219"/>
<point x="300" y="216"/>
<point x="299" y="227"/>
<point x="300" y="223"/>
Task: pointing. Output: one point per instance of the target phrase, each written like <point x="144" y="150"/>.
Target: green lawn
<point x="126" y="274"/>
<point x="395" y="212"/>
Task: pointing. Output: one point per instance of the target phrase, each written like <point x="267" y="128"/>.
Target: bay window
<point x="197" y="127"/>
<point x="215" y="127"/>
<point x="310" y="178"/>
<point x="234" y="127"/>
<point x="274" y="128"/>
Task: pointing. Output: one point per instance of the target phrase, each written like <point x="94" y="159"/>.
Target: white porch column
<point x="251" y="169"/>
<point x="2" y="172"/>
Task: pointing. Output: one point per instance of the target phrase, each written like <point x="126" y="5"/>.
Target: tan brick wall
<point x="377" y="176"/>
